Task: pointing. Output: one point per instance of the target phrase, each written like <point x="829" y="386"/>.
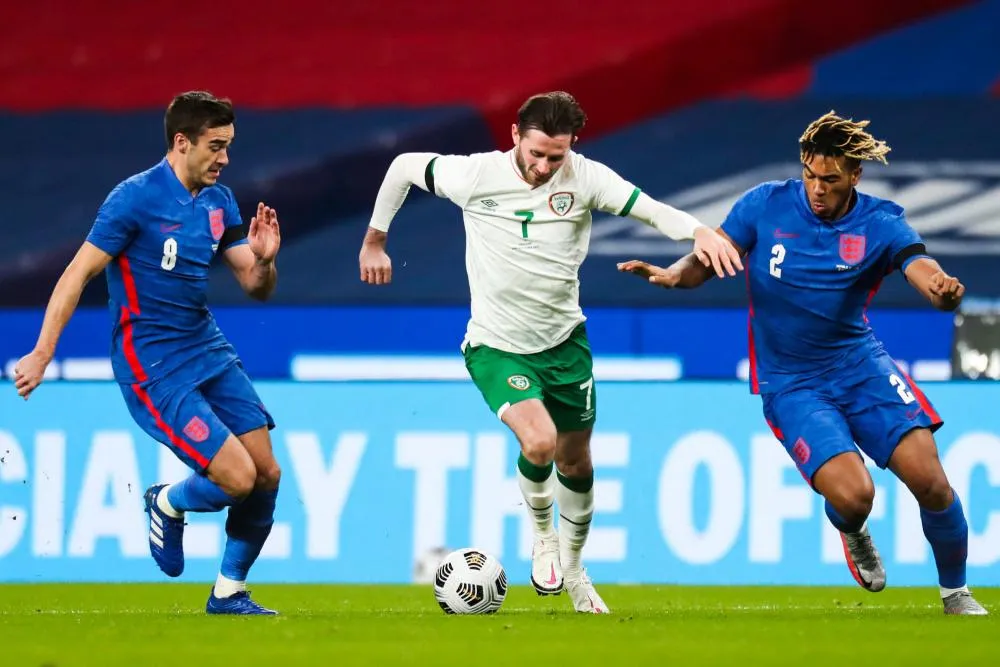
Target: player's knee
<point x="239" y="480"/>
<point x="854" y="502"/>
<point x="933" y="492"/>
<point x="539" y="446"/>
<point x="268" y="476"/>
<point x="858" y="507"/>
<point x="574" y="462"/>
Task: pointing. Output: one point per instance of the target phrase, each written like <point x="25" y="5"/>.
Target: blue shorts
<point x="874" y="405"/>
<point x="194" y="420"/>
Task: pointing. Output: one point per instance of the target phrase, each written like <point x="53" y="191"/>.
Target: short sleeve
<point x="741" y="223"/>
<point x="115" y="225"/>
<point x="235" y="232"/>
<point x="905" y="244"/>
<point x="608" y="192"/>
<point x="453" y="177"/>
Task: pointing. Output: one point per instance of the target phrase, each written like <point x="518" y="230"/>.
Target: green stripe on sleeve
<point x="630" y="203"/>
<point x="429" y="176"/>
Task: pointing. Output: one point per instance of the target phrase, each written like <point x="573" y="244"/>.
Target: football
<point x="470" y="581"/>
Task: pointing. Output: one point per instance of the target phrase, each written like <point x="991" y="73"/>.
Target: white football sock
<point x="945" y="592"/>
<point x="575" y="513"/>
<point x="163" y="503"/>
<point x="539" y="498"/>
<point x="225" y="587"/>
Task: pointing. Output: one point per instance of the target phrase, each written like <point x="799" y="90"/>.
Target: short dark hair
<point x="553" y="113"/>
<point x="194" y="112"/>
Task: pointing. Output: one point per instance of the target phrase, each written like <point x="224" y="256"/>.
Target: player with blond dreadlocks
<point x="816" y="252"/>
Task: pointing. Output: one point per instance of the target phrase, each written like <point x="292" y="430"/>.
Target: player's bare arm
<point x="942" y="290"/>
<point x="253" y="262"/>
<point x="686" y="273"/>
<point x="710" y="250"/>
<point x="406" y="170"/>
<point x="88" y="262"/>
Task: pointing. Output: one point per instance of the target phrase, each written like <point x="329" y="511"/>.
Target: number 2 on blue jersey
<point x="777" y="257"/>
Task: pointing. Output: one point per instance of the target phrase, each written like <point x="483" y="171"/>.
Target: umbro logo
<point x="489" y="203"/>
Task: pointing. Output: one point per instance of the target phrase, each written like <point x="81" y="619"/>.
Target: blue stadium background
<point x="693" y="104"/>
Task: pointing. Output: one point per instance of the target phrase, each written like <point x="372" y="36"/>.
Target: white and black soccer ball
<point x="470" y="581"/>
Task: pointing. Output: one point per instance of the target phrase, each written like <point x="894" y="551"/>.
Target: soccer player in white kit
<point x="527" y="221"/>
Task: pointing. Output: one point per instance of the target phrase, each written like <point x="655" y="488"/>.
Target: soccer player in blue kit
<point x="817" y="251"/>
<point x="156" y="236"/>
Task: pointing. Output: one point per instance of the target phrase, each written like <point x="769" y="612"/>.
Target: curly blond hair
<point x="834" y="136"/>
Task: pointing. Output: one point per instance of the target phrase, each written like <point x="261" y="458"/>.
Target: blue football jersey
<point x="163" y="242"/>
<point x="810" y="280"/>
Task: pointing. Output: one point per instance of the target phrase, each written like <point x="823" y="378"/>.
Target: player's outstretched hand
<point x="376" y="267"/>
<point x="265" y="235"/>
<point x="947" y="287"/>
<point x="28" y="372"/>
<point x="654" y="274"/>
<point x="715" y="252"/>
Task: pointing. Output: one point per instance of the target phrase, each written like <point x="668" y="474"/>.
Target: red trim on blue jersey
<point x="775" y="430"/>
<point x="195" y="455"/>
<point x="871" y="296"/>
<point x="128" y="345"/>
<point x="128" y="341"/>
<point x="752" y="350"/>
<point x="130" y="291"/>
<point x="921" y="398"/>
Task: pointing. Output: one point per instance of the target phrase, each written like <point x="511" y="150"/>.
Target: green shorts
<point x="562" y="378"/>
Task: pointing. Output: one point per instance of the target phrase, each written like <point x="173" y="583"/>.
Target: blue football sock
<point x="198" y="493"/>
<point x="948" y="534"/>
<point x="840" y="523"/>
<point x="247" y="528"/>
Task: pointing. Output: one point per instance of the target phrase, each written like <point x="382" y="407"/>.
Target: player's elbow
<point x="259" y="292"/>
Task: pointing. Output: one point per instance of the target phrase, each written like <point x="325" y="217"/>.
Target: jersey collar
<point x="174" y="185"/>
<point x="517" y="172"/>
<point x="840" y="223"/>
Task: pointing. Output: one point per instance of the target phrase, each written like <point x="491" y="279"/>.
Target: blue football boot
<point x="166" y="535"/>
<point x="239" y="604"/>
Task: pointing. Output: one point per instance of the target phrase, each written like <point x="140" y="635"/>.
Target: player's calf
<point x="247" y="529"/>
<point x="166" y="505"/>
<point x="537" y="484"/>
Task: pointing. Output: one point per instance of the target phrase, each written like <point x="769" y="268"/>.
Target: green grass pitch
<point x="164" y="625"/>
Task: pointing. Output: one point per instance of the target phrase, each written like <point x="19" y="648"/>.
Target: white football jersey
<point x="524" y="245"/>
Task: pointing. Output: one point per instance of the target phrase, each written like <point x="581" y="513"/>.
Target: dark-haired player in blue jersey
<point x="156" y="236"/>
<point x="817" y="251"/>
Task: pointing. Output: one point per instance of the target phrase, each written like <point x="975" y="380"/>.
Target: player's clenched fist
<point x="376" y="267"/>
<point x="716" y="252"/>
<point x="28" y="373"/>
<point x="948" y="287"/>
<point x="654" y="274"/>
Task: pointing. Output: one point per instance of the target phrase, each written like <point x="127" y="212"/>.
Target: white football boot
<point x="961" y="603"/>
<point x="546" y="572"/>
<point x="863" y="559"/>
<point x="585" y="598"/>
